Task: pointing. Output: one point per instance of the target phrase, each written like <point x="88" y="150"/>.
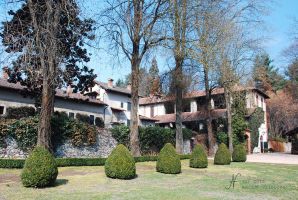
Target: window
<point x="151" y="111"/>
<point x="121" y="104"/>
<point x="201" y="126"/>
<point x="91" y="119"/>
<point x="71" y="115"/>
<point x="128" y="106"/>
<point x="262" y="102"/>
<point x="1" y="110"/>
<point x="128" y="122"/>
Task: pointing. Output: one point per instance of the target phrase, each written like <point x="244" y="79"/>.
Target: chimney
<point x="110" y="82"/>
<point x="69" y="90"/>
<point x="4" y="73"/>
<point x="128" y="86"/>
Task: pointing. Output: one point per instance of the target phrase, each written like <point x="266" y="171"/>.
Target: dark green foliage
<point x="99" y="122"/>
<point x="12" y="163"/>
<point x="168" y="161"/>
<point x="121" y="134"/>
<point x="19" y="112"/>
<point x="238" y="118"/>
<point x="187" y="133"/>
<point x="222" y="137"/>
<point x="198" y="157"/>
<point x="120" y="164"/>
<point x="17" y="36"/>
<point x="24" y="131"/>
<point x="40" y="169"/>
<point x="239" y="153"/>
<point x="222" y="156"/>
<point x="255" y="121"/>
<point x="238" y="126"/>
<point x="83" y="118"/>
<point x="152" y="138"/>
<point x="266" y="75"/>
<point x="66" y="162"/>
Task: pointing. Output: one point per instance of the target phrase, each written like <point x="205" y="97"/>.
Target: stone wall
<point x="103" y="147"/>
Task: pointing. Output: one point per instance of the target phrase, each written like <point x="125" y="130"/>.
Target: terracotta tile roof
<point x="142" y="117"/>
<point x="114" y="88"/>
<point x="190" y="116"/>
<point x="59" y="93"/>
<point x="195" y="94"/>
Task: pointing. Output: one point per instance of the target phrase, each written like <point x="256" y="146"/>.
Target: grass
<point x="257" y="181"/>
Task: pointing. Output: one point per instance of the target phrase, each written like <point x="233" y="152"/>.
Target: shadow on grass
<point x="60" y="182"/>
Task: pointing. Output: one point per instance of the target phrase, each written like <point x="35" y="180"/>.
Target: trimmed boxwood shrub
<point x="198" y="157"/>
<point x="222" y="156"/>
<point x="40" y="169"/>
<point x="168" y="161"/>
<point x="120" y="164"/>
<point x="239" y="153"/>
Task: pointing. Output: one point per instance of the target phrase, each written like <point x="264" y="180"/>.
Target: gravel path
<point x="278" y="158"/>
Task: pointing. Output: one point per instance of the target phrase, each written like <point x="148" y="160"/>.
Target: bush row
<point x="152" y="138"/>
<point x="68" y="162"/>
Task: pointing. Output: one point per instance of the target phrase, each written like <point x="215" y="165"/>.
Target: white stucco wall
<point x="10" y="98"/>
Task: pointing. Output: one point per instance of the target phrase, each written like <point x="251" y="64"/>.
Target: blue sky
<point x="277" y="23"/>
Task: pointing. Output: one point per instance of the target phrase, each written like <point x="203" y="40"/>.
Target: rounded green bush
<point x="198" y="158"/>
<point x="120" y="164"/>
<point x="168" y="161"/>
<point x="40" y="169"/>
<point x="222" y="156"/>
<point x="239" y="153"/>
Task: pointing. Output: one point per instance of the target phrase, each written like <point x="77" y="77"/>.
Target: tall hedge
<point x="120" y="164"/>
<point x="222" y="156"/>
<point x="168" y="161"/>
<point x="152" y="138"/>
<point x="40" y="169"/>
<point x="198" y="158"/>
<point x="239" y="153"/>
<point x="20" y="112"/>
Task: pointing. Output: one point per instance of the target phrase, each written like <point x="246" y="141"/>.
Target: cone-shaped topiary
<point x="239" y="153"/>
<point x="120" y="164"/>
<point x="168" y="161"/>
<point x="222" y="156"/>
<point x="198" y="158"/>
<point x="40" y="169"/>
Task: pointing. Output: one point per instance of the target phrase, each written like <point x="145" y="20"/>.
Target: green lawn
<point x="257" y="181"/>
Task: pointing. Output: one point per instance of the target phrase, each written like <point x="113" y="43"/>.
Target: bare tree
<point x="221" y="47"/>
<point x="133" y="27"/>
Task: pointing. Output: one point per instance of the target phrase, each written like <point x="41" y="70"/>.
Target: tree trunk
<point x="178" y="108"/>
<point x="208" y="110"/>
<point x="134" y="127"/>
<point x="229" y="117"/>
<point x="47" y="107"/>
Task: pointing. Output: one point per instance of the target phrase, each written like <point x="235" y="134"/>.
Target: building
<point x="104" y="100"/>
<point x="65" y="101"/>
<point x="118" y="101"/>
<point x="194" y="116"/>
